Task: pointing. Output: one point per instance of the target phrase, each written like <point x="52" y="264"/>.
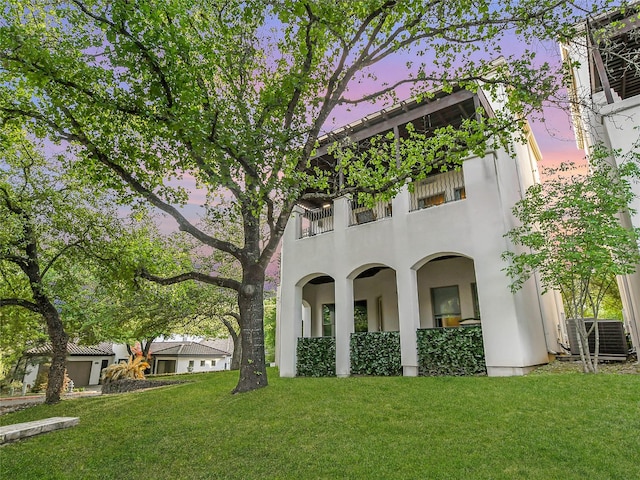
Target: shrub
<point x="316" y="357"/>
<point x="375" y="353"/>
<point x="451" y="351"/>
<point x="132" y="369"/>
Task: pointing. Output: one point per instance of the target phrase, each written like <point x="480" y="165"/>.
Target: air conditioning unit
<point x="613" y="341"/>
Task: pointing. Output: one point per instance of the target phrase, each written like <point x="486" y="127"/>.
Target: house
<point x="84" y="362"/>
<point x="605" y="94"/>
<point x="183" y="357"/>
<point x="430" y="258"/>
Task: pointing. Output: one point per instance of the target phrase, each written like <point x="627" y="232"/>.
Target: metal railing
<point x="317" y="221"/>
<point x="438" y="189"/>
<point x="360" y="213"/>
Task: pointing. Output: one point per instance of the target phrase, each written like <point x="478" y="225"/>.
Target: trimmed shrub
<point x="316" y="357"/>
<point x="451" y="351"/>
<point x="375" y="353"/>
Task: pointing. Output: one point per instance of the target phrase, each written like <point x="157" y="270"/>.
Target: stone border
<point x="17" y="431"/>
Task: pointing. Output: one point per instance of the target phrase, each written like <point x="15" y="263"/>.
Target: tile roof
<point x="223" y="344"/>
<point x="190" y="349"/>
<point x="102" y="349"/>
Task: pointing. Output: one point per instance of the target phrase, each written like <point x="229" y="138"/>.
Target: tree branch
<point x="58" y="255"/>
<point x="149" y="195"/>
<point x="146" y="53"/>
<point x="196" y="276"/>
<point x="19" y="302"/>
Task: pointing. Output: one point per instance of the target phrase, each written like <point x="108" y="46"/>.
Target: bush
<point x="451" y="351"/>
<point x="316" y="357"/>
<point x="375" y="353"/>
<point x="132" y="369"/>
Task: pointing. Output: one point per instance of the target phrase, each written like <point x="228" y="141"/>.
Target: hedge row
<point x="451" y="351"/>
<point x="441" y="351"/>
<point x="316" y="357"/>
<point x="375" y="353"/>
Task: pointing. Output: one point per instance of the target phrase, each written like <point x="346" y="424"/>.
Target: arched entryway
<point x="447" y="291"/>
<point x="318" y="306"/>
<point x="375" y="296"/>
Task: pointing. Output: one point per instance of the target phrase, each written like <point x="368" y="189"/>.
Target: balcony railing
<point x="317" y="221"/>
<point x="360" y="213"/>
<point x="438" y="189"/>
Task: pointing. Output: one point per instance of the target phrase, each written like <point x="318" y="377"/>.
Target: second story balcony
<point x="435" y="190"/>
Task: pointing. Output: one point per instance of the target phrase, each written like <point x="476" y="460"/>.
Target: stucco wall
<point x="472" y="228"/>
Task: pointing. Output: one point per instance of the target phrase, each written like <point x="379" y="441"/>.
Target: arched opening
<point x="314" y="327"/>
<point x="448" y="292"/>
<point x="318" y="306"/>
<point x="375" y="297"/>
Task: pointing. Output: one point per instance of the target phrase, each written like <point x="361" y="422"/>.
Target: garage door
<point x="79" y="372"/>
<point x="166" y="366"/>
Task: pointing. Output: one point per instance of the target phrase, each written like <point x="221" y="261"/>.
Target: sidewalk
<point x="11" y="404"/>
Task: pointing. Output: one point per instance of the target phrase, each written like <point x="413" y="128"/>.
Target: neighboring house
<point x="605" y="90"/>
<point x="84" y="363"/>
<point x="183" y="357"/>
<point x="429" y="258"/>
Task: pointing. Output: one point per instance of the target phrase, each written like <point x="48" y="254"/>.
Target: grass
<point x="536" y="427"/>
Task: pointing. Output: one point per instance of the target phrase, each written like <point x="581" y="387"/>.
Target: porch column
<point x="344" y="325"/>
<point x="401" y="203"/>
<point x="306" y="320"/>
<point x="293" y="230"/>
<point x="289" y="328"/>
<point x="409" y="316"/>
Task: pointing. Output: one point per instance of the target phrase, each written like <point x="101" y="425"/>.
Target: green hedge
<point x="451" y="351"/>
<point x="316" y="357"/>
<point x="375" y="353"/>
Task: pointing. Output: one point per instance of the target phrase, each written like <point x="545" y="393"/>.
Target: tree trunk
<point x="253" y="372"/>
<point x="237" y="353"/>
<point x="57" y="336"/>
<point x="59" y="339"/>
<point x="237" y="344"/>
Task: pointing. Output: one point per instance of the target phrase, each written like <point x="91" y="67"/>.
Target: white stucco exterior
<point x="615" y="123"/>
<point x="458" y="243"/>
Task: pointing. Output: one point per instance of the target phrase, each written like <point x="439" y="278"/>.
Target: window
<point x="446" y="306"/>
<point x="360" y="317"/>
<point x="191" y="363"/>
<point x="365" y="216"/>
<point x="202" y="363"/>
<point x="431" y="201"/>
<point x="459" y="193"/>
<point x="328" y="320"/>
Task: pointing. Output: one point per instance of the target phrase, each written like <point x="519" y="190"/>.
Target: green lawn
<point x="561" y="426"/>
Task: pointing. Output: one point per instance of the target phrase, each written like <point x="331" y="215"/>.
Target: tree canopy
<point x="57" y="242"/>
<point x="236" y="95"/>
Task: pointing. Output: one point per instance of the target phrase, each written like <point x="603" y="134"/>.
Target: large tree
<point x="235" y="94"/>
<point x="54" y="231"/>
